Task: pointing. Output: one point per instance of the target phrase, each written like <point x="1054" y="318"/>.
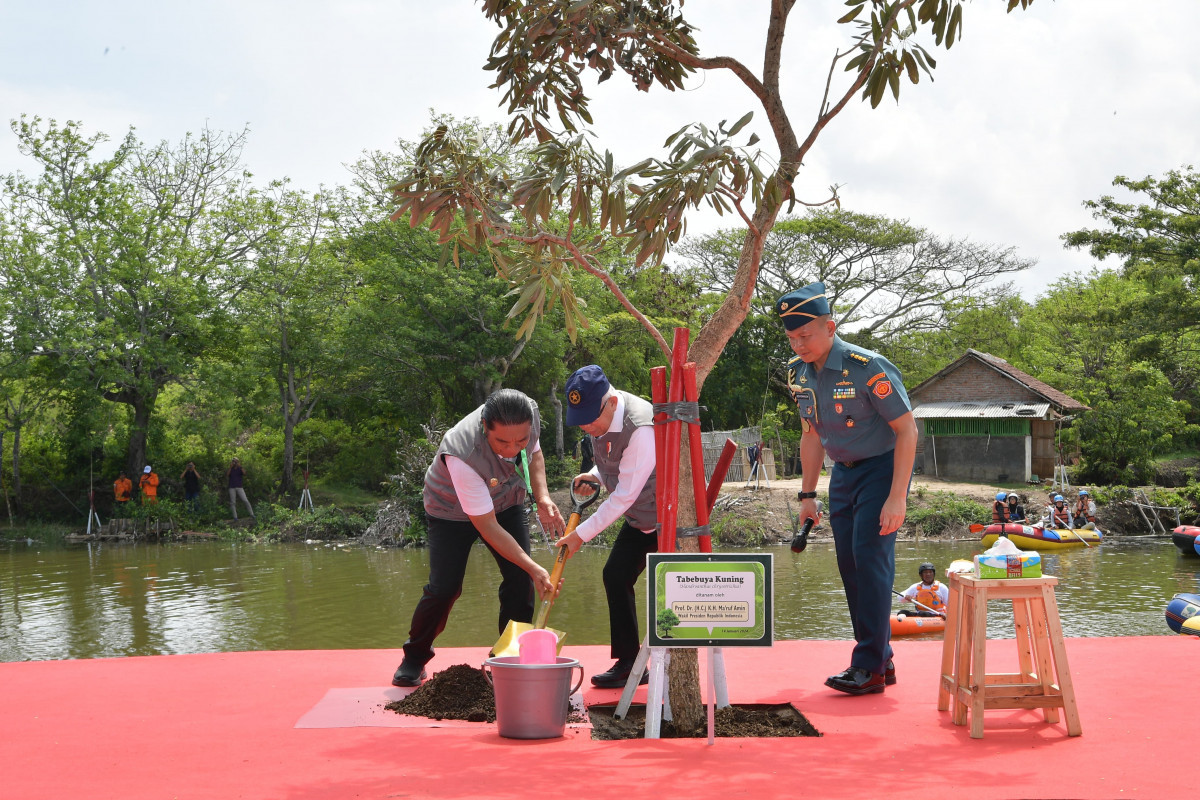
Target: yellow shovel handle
<point x="556" y="574"/>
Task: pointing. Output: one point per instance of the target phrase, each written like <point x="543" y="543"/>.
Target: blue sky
<point x="1028" y="116"/>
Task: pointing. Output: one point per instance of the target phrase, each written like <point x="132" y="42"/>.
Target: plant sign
<point x="710" y="599"/>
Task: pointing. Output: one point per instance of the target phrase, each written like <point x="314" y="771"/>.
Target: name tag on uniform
<point x="844" y="394"/>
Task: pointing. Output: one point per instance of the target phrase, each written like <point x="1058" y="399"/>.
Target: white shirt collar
<point x="618" y="421"/>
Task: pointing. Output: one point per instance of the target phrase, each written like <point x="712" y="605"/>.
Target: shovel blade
<point x="507" y="644"/>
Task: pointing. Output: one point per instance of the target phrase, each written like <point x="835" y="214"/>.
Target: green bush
<point x="940" y="513"/>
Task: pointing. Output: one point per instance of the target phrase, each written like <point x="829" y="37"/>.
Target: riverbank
<point x="246" y="724"/>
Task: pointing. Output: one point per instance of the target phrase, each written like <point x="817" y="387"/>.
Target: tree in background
<point x="294" y="307"/>
<point x="883" y="276"/>
<point x="121" y="270"/>
<point x="1158" y="243"/>
<point x="542" y="227"/>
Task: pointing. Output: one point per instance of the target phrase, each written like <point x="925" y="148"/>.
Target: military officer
<point x="853" y="406"/>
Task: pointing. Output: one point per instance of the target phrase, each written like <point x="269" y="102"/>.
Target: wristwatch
<point x="806" y="495"/>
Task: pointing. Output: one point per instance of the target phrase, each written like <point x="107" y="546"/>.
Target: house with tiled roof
<point x="982" y="419"/>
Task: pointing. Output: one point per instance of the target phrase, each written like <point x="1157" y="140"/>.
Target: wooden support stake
<point x="658" y="394"/>
<point x="696" y="446"/>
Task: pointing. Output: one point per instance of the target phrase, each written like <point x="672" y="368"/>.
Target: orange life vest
<point x="999" y="512"/>
<point x="928" y="596"/>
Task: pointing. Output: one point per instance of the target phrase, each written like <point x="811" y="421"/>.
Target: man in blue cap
<point x="852" y="406"/>
<point x="621" y="427"/>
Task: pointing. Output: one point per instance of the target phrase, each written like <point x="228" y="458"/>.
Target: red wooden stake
<point x="696" y="445"/>
<point x="658" y="394"/>
<point x="719" y="472"/>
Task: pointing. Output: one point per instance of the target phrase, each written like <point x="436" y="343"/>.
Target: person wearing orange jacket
<point x="149" y="486"/>
<point x="122" y="489"/>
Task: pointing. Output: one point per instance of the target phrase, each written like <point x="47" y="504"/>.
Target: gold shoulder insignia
<point x="859" y="357"/>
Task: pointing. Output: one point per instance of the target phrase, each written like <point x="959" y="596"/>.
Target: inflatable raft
<point x="1035" y="537"/>
<point x="1187" y="539"/>
<point x="908" y="625"/>
<point x="1183" y="612"/>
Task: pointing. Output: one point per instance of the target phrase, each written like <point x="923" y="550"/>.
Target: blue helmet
<point x="1001" y="496"/>
<point x="1083" y="492"/>
<point x="1058" y="498"/>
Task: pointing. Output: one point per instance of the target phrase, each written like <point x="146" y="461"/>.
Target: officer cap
<point x="801" y="306"/>
<point x="585" y="393"/>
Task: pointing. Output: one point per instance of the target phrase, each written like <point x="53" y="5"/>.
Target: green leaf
<point x="741" y="123"/>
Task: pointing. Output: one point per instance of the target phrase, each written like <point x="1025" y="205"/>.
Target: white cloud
<point x="1030" y="114"/>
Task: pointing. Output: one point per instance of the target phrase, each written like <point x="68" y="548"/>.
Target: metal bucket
<point x="532" y="699"/>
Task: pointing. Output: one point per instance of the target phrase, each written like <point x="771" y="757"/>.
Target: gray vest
<point x="607" y="451"/>
<point x="467" y="442"/>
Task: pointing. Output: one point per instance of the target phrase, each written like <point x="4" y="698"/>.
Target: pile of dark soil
<point x="457" y="692"/>
<point x="745" y="721"/>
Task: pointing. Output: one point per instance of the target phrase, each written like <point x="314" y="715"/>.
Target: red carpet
<point x="224" y="726"/>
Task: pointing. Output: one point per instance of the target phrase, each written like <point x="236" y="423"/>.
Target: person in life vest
<point x="928" y="592"/>
<point x="1085" y="511"/>
<point x="122" y="489"/>
<point x="1060" y="515"/>
<point x="149" y="486"/>
<point x="1000" y="509"/>
<point x="1016" y="512"/>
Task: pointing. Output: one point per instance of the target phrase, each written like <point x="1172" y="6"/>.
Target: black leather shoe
<point x="841" y="676"/>
<point x="860" y="681"/>
<point x="617" y="676"/>
<point x="889" y="673"/>
<point x="409" y="674"/>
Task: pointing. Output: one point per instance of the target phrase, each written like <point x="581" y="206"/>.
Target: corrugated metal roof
<point x="982" y="410"/>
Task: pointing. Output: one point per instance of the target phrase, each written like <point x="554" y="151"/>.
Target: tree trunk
<point x="16" y="466"/>
<point x="687" y="708"/>
<point x="289" y="444"/>
<point x="3" y="485"/>
<point x="135" y="457"/>
<point x="558" y="420"/>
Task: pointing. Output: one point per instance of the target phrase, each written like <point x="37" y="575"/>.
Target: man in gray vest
<point x="621" y="426"/>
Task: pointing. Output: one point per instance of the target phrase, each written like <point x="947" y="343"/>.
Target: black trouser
<point x="449" y="547"/>
<point x="625" y="564"/>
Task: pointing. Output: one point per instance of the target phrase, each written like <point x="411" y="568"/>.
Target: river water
<point x="94" y="601"/>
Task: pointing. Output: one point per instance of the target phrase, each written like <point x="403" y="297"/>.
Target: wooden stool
<point x="1045" y="678"/>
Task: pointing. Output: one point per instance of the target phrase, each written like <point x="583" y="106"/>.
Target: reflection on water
<point x="119" y="600"/>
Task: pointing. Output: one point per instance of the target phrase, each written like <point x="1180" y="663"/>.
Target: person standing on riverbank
<point x="852" y="406"/>
<point x="473" y="489"/>
<point x="621" y="426"/>
<point x="149" y="486"/>
<point x="191" y="486"/>
<point x="235" y="481"/>
<point x="122" y="489"/>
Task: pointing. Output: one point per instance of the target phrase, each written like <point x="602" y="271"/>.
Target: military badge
<point x="493" y="481"/>
<point x="843" y="394"/>
<point x="859" y="357"/>
<point x="574" y="397"/>
<point x="837" y="407"/>
<point x="883" y="389"/>
<point x="803" y="378"/>
<point x="875" y="378"/>
<point x="808" y="410"/>
<point x="849" y="422"/>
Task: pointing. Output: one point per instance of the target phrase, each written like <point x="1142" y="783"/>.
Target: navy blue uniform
<point x="849" y="403"/>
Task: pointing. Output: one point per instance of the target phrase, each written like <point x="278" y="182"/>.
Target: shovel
<point x="507" y="644"/>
